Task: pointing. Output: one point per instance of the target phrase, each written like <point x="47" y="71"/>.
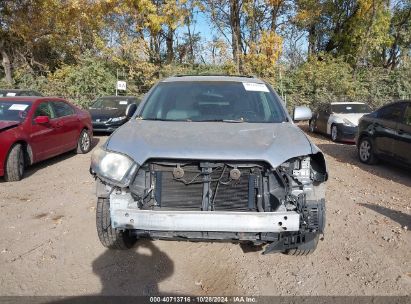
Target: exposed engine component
<point x="235" y="174"/>
<point x="178" y="172"/>
<point x="302" y="171"/>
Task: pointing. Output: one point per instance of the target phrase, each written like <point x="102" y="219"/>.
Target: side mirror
<point x="42" y="120"/>
<point x="130" y="110"/>
<point x="302" y="113"/>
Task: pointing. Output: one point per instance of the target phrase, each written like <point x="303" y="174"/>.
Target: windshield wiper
<point x="161" y="119"/>
<point x="222" y="120"/>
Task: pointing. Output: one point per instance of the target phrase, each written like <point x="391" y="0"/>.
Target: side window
<point x="392" y="113"/>
<point x="44" y="109"/>
<point x="62" y="109"/>
<point x="407" y="117"/>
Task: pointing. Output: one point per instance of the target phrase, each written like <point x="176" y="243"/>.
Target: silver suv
<point x="211" y="158"/>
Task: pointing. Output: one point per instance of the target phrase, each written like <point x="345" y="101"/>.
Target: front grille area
<point x="231" y="195"/>
<point x="176" y="195"/>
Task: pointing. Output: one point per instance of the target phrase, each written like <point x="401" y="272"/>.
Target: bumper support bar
<point x="205" y="220"/>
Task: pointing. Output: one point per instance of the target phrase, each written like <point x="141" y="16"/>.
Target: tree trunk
<point x="6" y="64"/>
<point x="236" y="42"/>
<point x="190" y="45"/>
<point x="169" y="43"/>
<point x="312" y="38"/>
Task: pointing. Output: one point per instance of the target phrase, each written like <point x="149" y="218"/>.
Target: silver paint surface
<point x="270" y="142"/>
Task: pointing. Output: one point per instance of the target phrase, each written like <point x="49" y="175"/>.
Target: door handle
<point x="59" y="124"/>
<point x="400" y="131"/>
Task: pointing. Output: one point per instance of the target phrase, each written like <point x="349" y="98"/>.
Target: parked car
<point x="386" y="133"/>
<point x="36" y="128"/>
<point x="211" y="158"/>
<point x="338" y="119"/>
<point x="18" y="92"/>
<point x="108" y="112"/>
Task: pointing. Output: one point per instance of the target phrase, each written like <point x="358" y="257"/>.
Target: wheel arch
<point x="27" y="150"/>
<point x="363" y="135"/>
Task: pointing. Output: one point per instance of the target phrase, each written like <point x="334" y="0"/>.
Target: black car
<point x="18" y="92"/>
<point x="109" y="112"/>
<point x="386" y="133"/>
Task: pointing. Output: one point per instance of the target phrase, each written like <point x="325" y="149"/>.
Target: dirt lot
<point x="49" y="245"/>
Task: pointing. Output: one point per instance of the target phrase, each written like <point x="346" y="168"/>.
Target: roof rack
<point x="214" y="74"/>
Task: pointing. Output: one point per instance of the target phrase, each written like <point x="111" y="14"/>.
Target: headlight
<point x="348" y="123"/>
<point x="116" y="119"/>
<point x="113" y="167"/>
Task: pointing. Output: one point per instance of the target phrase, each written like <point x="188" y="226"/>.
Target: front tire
<point x="334" y="133"/>
<point x="366" y="151"/>
<point x="14" y="168"/>
<point x="110" y="237"/>
<point x="84" y="142"/>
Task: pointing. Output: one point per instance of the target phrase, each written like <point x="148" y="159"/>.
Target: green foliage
<point x="330" y="79"/>
<point x="82" y="82"/>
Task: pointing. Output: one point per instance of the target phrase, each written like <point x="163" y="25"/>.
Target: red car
<point x="36" y="128"/>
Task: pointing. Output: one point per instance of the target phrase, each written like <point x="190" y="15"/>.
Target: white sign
<point x="256" y="87"/>
<point x="18" y="107"/>
<point x="121" y="85"/>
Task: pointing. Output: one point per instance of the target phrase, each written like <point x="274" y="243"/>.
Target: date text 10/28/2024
<point x="205" y="299"/>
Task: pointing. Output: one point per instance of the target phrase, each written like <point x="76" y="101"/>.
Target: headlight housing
<point x="116" y="119"/>
<point x="115" y="168"/>
<point x="348" y="123"/>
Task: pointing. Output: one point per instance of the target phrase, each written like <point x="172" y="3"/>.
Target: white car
<point x="338" y="119"/>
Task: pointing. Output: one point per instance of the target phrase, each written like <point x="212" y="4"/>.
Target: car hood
<point x="6" y="125"/>
<point x="352" y="117"/>
<point x="270" y="142"/>
<point x="106" y="113"/>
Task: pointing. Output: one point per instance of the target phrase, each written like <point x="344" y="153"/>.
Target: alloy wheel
<point x="334" y="133"/>
<point x="365" y="150"/>
<point x="85" y="141"/>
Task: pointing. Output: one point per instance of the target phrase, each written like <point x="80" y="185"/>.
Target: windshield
<point x="213" y="101"/>
<point x="110" y="104"/>
<point x="350" y="108"/>
<point x="14" y="111"/>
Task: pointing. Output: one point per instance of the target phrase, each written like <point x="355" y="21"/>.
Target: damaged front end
<point x="240" y="201"/>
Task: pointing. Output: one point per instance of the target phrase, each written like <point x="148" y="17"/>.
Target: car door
<point x="402" y="143"/>
<point x="68" y="122"/>
<point x="322" y="118"/>
<point x="385" y="127"/>
<point x="44" y="138"/>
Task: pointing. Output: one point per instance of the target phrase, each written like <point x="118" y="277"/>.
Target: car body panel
<point x="142" y="140"/>
<point x="42" y="141"/>
<point x="402" y="146"/>
<point x="339" y="119"/>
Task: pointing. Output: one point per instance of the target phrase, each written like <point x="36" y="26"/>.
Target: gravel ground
<point x="49" y="244"/>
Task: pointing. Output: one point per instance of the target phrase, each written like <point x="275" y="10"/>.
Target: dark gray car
<point x="211" y="158"/>
<point x="386" y="134"/>
<point x="109" y="112"/>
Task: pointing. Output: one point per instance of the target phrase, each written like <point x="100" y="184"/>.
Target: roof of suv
<point x="347" y="102"/>
<point x="217" y="78"/>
